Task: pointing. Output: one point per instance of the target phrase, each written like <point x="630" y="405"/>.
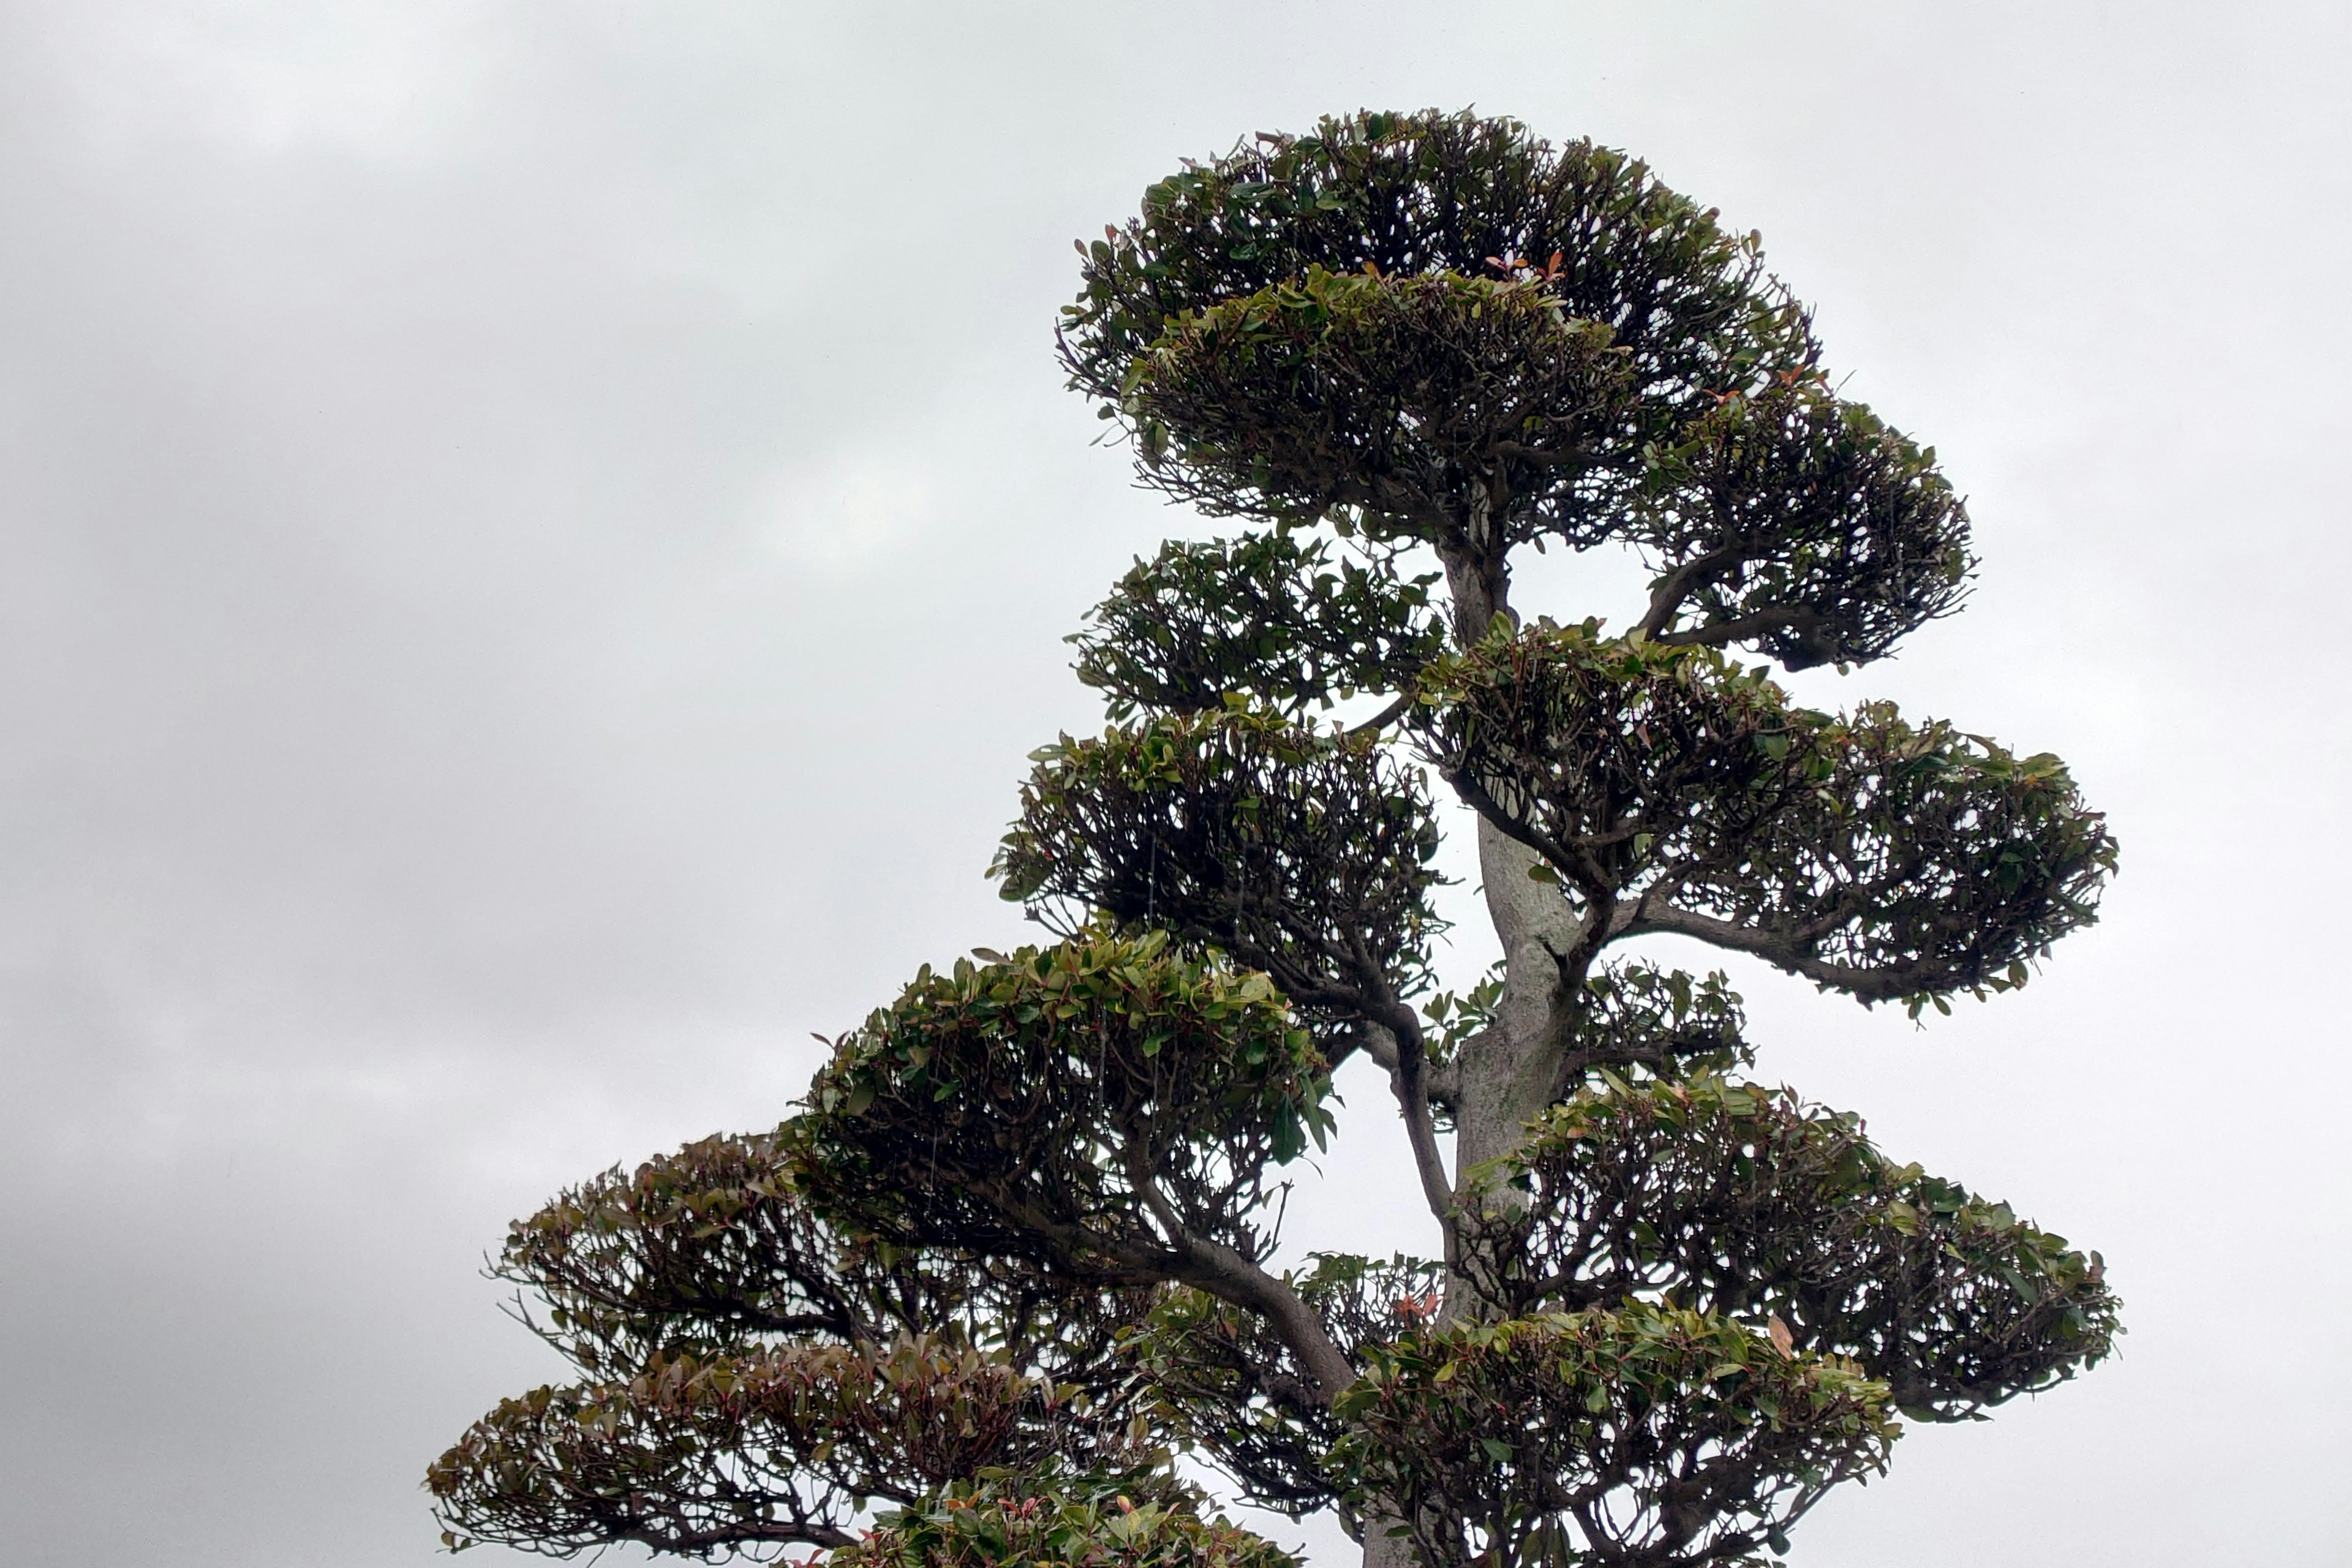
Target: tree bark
<point x="1511" y="1070"/>
<point x="1382" y="1549"/>
<point x="1506" y="1075"/>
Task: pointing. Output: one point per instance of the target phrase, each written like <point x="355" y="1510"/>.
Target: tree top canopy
<point x="1439" y="328"/>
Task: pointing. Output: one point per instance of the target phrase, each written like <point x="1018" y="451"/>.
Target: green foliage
<point x="1228" y="1386"/>
<point x="695" y="1251"/>
<point x="1744" y="1202"/>
<point x="1636" y="1018"/>
<point x="1436" y="327"/>
<point x="1687" y="305"/>
<point x="1872" y="856"/>
<point x="714" y="1248"/>
<point x="1641" y="1435"/>
<point x="1305" y="854"/>
<point x="1455" y="1018"/>
<point x="1070" y="1105"/>
<point x="1268" y="618"/>
<point x="1008" y="1520"/>
<point x="1360" y="393"/>
<point x="1802" y="525"/>
<point x="753" y="1372"/>
<point x="775" y="1445"/>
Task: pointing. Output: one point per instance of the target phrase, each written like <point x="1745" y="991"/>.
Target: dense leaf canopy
<point x="1371" y="393"/>
<point x="1643" y="1435"/>
<point x="1271" y="619"/>
<point x="1301" y="853"/>
<point x="1743" y="1202"/>
<point x="770" y="1446"/>
<point x="1438" y="328"/>
<point x="1673" y="791"/>
<point x="1007" y="1520"/>
<point x="1687" y="307"/>
<point x="1231" y="1389"/>
<point x="753" y="1372"/>
<point x="1798" y="523"/>
<point x="1096" y="1107"/>
<point x="715" y="1248"/>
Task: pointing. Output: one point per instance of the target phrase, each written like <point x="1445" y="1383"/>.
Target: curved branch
<point x="1783" y="948"/>
<point x="1409" y="1081"/>
<point x="1476" y="796"/>
<point x="1227" y="1275"/>
<point x="1387" y="716"/>
<point x="1666" y="599"/>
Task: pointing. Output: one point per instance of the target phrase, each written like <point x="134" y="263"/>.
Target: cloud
<point x="847" y="515"/>
<point x="448" y="750"/>
<point x="387" y="80"/>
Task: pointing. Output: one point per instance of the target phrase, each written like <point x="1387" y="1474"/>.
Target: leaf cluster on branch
<point x="1438" y="329"/>
<point x="1685" y="306"/>
<point x="765" y="1445"/>
<point x="714" y="1247"/>
<point x="754" y="1374"/>
<point x="1666" y="789"/>
<point x="1800" y="524"/>
<point x="1646" y="1434"/>
<point x="1303" y="853"/>
<point x="1268" y="618"/>
<point x="1101" y="1107"/>
<point x="1009" y="1520"/>
<point x="1745" y="1204"/>
<point x="1369" y="394"/>
<point x="1234" y="1390"/>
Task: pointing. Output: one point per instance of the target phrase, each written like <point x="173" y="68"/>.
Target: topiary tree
<point x="1015" y="1247"/>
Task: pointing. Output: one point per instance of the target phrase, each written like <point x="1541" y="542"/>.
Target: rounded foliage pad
<point x="1096" y="1520"/>
<point x="1091" y="1107"/>
<point x="1646" y="1435"/>
<point x="1747" y="1203"/>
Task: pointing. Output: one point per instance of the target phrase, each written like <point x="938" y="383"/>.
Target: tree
<point x="1014" y="1248"/>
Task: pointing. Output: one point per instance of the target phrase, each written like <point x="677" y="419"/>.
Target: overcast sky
<point x="534" y="539"/>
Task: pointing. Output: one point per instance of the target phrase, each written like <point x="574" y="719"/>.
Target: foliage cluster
<point x="1641" y="1435"/>
<point x="1304" y="855"/>
<point x="1270" y="618"/>
<point x="1669" y="789"/>
<point x="1745" y="1204"/>
<point x="1057" y="1104"/>
<point x="1003" y="1519"/>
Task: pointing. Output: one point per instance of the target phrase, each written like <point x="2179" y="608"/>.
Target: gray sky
<point x="537" y="536"/>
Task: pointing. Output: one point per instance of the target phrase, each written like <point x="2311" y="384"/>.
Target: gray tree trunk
<point x="1511" y="1070"/>
<point x="1382" y="1549"/>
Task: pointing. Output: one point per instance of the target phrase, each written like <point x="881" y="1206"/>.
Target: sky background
<point x="534" y="540"/>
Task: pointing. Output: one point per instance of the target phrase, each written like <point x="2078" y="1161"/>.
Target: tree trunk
<point x="1382" y="1549"/>
<point x="1511" y="1070"/>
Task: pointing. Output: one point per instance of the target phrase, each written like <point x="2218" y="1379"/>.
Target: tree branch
<point x="1409" y="1081"/>
<point x="1785" y="949"/>
<point x="1230" y="1276"/>
<point x="1476" y="797"/>
<point x="1806" y="622"/>
<point x="1386" y="716"/>
<point x="1667" y="598"/>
